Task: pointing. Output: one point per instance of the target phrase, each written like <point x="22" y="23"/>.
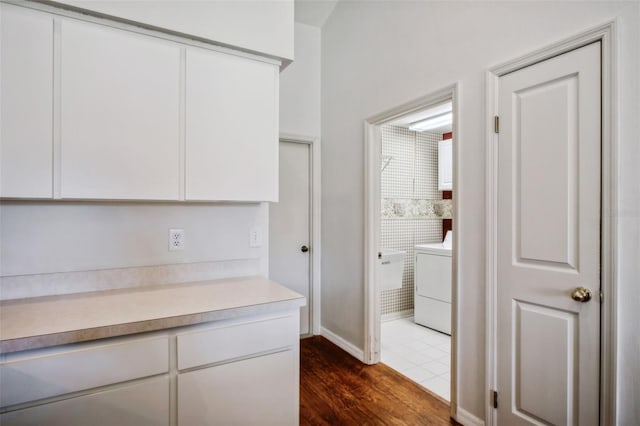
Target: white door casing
<point x="289" y="226"/>
<point x="548" y="241"/>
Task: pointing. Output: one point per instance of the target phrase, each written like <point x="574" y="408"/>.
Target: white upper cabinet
<point x="102" y="111"/>
<point x="119" y="114"/>
<point x="231" y="128"/>
<point x="26" y="103"/>
<point x="445" y="165"/>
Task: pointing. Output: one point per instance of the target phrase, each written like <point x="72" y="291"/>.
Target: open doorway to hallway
<point x="411" y="284"/>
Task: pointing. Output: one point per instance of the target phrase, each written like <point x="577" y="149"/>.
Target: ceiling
<point x="313" y="12"/>
<point x="406" y="120"/>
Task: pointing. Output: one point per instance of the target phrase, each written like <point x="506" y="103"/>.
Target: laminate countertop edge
<point x="32" y="323"/>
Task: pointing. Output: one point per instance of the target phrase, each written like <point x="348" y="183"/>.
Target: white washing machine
<point x="432" y="302"/>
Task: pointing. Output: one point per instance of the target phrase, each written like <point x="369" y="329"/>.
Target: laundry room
<point x="416" y="240"/>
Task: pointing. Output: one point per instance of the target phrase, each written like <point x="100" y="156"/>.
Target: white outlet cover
<point x="176" y="239"/>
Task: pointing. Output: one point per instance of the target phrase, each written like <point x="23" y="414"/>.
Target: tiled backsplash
<point x="412" y="206"/>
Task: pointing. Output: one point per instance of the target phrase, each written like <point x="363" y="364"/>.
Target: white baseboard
<point x="397" y="315"/>
<point x="348" y="347"/>
<point x="467" y="419"/>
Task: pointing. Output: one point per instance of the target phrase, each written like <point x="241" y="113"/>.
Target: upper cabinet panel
<point x="445" y="165"/>
<point x="26" y="106"/>
<point x="264" y="27"/>
<point x="231" y="128"/>
<point x="119" y="114"/>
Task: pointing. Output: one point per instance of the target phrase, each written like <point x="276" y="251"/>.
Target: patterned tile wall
<point x="410" y="174"/>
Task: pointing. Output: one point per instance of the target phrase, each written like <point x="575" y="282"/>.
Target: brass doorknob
<point x="581" y="294"/>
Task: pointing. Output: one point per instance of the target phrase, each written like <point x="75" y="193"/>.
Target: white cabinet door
<point x="120" y="114"/>
<point x="231" y="128"/>
<point x="26" y="106"/>
<point x="141" y="404"/>
<point x="445" y="165"/>
<point x="257" y="391"/>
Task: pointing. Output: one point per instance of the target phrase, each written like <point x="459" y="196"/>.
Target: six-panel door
<point x="549" y="241"/>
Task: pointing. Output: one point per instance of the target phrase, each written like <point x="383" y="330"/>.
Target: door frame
<point x="372" y="221"/>
<point x="314" y="224"/>
<point x="607" y="35"/>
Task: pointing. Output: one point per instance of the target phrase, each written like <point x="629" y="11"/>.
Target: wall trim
<point x="607" y="35"/>
<point x="348" y="347"/>
<point x="467" y="419"/>
<point x="373" y="217"/>
<point x="315" y="220"/>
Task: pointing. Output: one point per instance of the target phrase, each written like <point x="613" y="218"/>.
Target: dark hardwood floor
<point x="337" y="389"/>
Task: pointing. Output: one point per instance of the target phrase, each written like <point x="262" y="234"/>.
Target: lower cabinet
<point x="140" y="404"/>
<point x="243" y="371"/>
<point x="240" y="373"/>
<point x="255" y="391"/>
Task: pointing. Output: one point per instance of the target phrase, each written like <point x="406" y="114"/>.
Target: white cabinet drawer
<point x="259" y="391"/>
<point x="27" y="377"/>
<point x="141" y="404"/>
<point x="236" y="340"/>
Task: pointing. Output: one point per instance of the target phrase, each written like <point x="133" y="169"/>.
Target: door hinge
<point x="495" y="399"/>
<point x="496" y="124"/>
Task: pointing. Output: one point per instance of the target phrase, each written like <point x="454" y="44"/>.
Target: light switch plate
<point x="255" y="237"/>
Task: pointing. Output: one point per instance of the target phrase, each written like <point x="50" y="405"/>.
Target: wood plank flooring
<point x="337" y="389"/>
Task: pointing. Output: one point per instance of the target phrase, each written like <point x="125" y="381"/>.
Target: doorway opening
<point x="410" y="279"/>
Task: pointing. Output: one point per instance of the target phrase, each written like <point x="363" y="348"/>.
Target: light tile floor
<point x="421" y="354"/>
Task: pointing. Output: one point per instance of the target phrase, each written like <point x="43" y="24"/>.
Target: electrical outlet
<point x="255" y="237"/>
<point x="176" y="239"/>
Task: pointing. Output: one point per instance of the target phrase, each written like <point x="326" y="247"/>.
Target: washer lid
<point x="433" y="248"/>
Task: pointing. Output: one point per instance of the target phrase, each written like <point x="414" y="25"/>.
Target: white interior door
<point x="289" y="226"/>
<point x="549" y="169"/>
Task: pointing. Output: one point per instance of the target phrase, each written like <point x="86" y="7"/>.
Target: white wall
<point x="49" y="237"/>
<point x="261" y="26"/>
<point x="300" y="86"/>
<point x="377" y="55"/>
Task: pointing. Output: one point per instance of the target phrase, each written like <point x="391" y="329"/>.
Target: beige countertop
<point x="55" y="320"/>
